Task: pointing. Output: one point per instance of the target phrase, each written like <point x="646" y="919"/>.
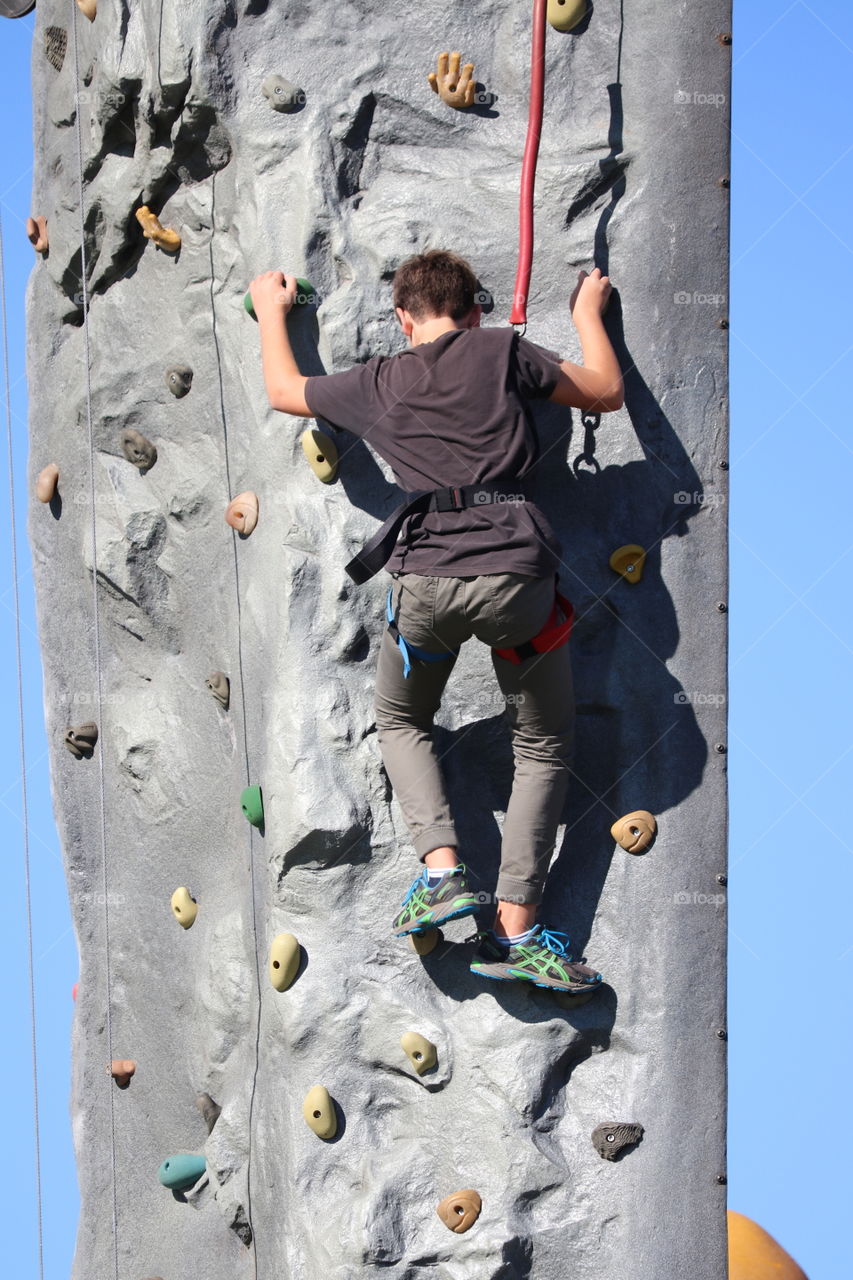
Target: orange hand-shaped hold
<point x="456" y="90"/>
<point x="163" y="237"/>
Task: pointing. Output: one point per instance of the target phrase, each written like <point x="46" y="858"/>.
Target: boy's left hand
<point x="273" y="291"/>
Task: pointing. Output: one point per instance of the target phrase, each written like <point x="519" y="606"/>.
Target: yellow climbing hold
<point x="420" y="1051"/>
<point x="456" y="90"/>
<point x="319" y="1112"/>
<point x="460" y="1211"/>
<point x="629" y="561"/>
<point x="46" y="482"/>
<point x="755" y="1255"/>
<point x="563" y="15"/>
<point x="184" y="907"/>
<point x="89" y="8"/>
<point x="425" y="942"/>
<point x="242" y="512"/>
<point x="636" y="831"/>
<point x="284" y="960"/>
<point x="163" y="237"/>
<point x="321" y="453"/>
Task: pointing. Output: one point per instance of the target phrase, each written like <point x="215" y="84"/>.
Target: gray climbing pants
<point x="502" y="610"/>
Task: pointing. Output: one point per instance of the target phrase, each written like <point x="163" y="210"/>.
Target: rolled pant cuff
<point x="434" y="838"/>
<point x="522" y="891"/>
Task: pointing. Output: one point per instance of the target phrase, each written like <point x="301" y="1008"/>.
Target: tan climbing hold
<point x="46" y="482"/>
<point x="321" y="453"/>
<point x="460" y="1211"/>
<point x="636" y="831"/>
<point x="319" y="1112"/>
<point x="210" y="1110"/>
<point x="88" y="8"/>
<point x="184" y="907"/>
<point x="80" y="739"/>
<point x="629" y="561"/>
<point x="420" y="1051"/>
<point x="284" y="960"/>
<point x="564" y="15"/>
<point x="425" y="942"/>
<point x="121" y="1069"/>
<point x="138" y="449"/>
<point x="37" y="233"/>
<point x="455" y="88"/>
<point x="242" y="512"/>
<point x="163" y="237"/>
<point x="220" y="686"/>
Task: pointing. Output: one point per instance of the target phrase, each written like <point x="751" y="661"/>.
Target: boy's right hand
<point x="273" y="291"/>
<point x="590" y="295"/>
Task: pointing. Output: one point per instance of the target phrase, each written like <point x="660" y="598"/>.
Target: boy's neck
<point x="433" y="327"/>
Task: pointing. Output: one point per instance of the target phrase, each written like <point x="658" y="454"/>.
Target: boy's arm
<point x="596" y="385"/>
<point x="273" y="295"/>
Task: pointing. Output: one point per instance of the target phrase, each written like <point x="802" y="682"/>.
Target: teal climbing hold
<point x="305" y="295"/>
<point x="179" y="1173"/>
<point x="252" y="804"/>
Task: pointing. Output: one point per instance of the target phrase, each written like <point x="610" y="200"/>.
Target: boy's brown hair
<point x="435" y="283"/>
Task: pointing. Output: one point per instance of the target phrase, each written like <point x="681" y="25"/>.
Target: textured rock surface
<point x="371" y="167"/>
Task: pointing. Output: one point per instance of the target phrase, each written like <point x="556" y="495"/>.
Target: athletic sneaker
<point x="544" y="959"/>
<point x="425" y="907"/>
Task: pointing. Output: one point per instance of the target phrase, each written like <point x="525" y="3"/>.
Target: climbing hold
<point x="610" y="1139"/>
<point x="37" y="233"/>
<point x="138" y="449"/>
<point x="81" y="741"/>
<point x="210" y="1110"/>
<point x="460" y="1211"/>
<point x="629" y="561"/>
<point x="252" y="804"/>
<point x="179" y="379"/>
<point x="16" y="8"/>
<point x="319" y="1112"/>
<point x="179" y="1173"/>
<point x="281" y="94"/>
<point x="121" y="1070"/>
<point x="425" y="941"/>
<point x="755" y="1255"/>
<point x="284" y="960"/>
<point x="46" y="482"/>
<point x="184" y="907"/>
<point x="321" y="453"/>
<point x="220" y="686"/>
<point x="163" y="237"/>
<point x="305" y="295"/>
<point x="635" y="832"/>
<point x="242" y="512"/>
<point x="420" y="1051"/>
<point x="74" y="991"/>
<point x="55" y="46"/>
<point x="456" y="90"/>
<point x="89" y="8"/>
<point x="564" y="15"/>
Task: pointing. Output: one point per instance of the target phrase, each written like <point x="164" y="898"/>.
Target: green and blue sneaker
<point x="543" y="958"/>
<point x="427" y="906"/>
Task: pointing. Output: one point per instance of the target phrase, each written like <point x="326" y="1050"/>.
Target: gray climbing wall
<point x="371" y="168"/>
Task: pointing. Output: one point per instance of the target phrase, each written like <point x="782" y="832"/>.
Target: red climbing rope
<point x="528" y="167"/>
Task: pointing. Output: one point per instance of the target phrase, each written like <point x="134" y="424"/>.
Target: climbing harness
<point x="518" y="315"/>
<point x="552" y="636"/>
<point x="377" y="550"/>
<point x="408" y="650"/>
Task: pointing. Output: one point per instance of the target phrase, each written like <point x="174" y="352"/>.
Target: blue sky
<point x="791" y="872"/>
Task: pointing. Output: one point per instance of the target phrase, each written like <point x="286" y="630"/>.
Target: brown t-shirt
<point x="453" y="412"/>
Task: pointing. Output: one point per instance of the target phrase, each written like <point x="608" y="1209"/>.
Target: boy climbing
<point x="474" y="557"/>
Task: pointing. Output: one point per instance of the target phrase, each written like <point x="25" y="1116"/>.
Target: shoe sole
<point x="436" y="924"/>
<point x="587" y="989"/>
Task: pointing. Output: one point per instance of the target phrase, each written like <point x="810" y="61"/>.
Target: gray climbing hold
<point x="179" y="379"/>
<point x="281" y="94"/>
<point x="610" y="1139"/>
<point x="80" y="740"/>
<point x="210" y="1110"/>
<point x="55" y="46"/>
<point x="138" y="449"/>
<point x="220" y="686"/>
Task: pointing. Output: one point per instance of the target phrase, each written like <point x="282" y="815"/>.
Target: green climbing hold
<point x="305" y="295"/>
<point x="179" y="1173"/>
<point x="252" y="804"/>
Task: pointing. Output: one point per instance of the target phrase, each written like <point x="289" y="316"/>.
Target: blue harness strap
<point x="408" y="650"/>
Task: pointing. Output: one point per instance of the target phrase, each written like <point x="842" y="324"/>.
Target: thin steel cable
<point x="97" y="635"/>
<point x="23" y="758"/>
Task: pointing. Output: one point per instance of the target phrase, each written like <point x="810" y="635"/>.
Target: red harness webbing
<point x="552" y="636"/>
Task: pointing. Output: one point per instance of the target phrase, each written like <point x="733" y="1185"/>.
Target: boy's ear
<point x="406" y="321"/>
<point x="474" y="316"/>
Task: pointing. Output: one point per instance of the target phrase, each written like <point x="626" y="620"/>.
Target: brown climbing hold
<point x="55" y="46"/>
<point x="220" y="686"/>
<point x="321" y="453"/>
<point x="184" y="907"/>
<point x="284" y="960"/>
<point x="138" y="449"/>
<point x="37" y="233"/>
<point x="457" y="90"/>
<point x="425" y="942"/>
<point x="210" y="1110"/>
<point x="636" y="831"/>
<point x="564" y="15"/>
<point x="121" y="1070"/>
<point x="242" y="512"/>
<point x="319" y="1112"/>
<point x="81" y="740"/>
<point x="629" y="561"/>
<point x="179" y="379"/>
<point x="88" y="8"/>
<point x="163" y="237"/>
<point x="610" y="1139"/>
<point x="420" y="1051"/>
<point x="46" y="482"/>
<point x="460" y="1211"/>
